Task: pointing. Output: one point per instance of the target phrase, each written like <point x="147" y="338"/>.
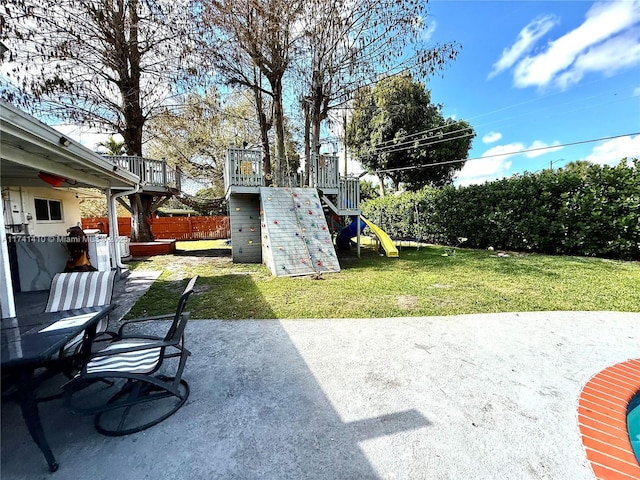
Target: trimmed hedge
<point x="582" y="209"/>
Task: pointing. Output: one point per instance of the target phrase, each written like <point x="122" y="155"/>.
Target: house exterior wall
<point x="22" y="209"/>
<point x="39" y="251"/>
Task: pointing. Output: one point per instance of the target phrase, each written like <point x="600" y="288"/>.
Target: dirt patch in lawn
<point x="408" y="302"/>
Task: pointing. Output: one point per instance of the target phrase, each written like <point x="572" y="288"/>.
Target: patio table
<point x="32" y="341"/>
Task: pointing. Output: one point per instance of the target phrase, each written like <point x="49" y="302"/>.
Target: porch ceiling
<point x="29" y="147"/>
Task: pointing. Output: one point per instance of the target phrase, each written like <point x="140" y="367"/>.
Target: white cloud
<point x="505" y="151"/>
<point x="615" y="54"/>
<point x="612" y="151"/>
<point x="491" y="137"/>
<point x="517" y="148"/>
<point x="429" y="29"/>
<point x="424" y="27"/>
<point x="527" y="37"/>
<point x="486" y="169"/>
<point x="482" y="171"/>
<point x="605" y="42"/>
<point x="636" y="92"/>
<point x="543" y="148"/>
<point x="494" y="163"/>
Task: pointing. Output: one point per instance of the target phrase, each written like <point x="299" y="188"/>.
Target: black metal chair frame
<point x="139" y="387"/>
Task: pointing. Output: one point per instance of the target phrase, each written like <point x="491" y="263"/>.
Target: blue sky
<point x="533" y="74"/>
<point x="540" y="73"/>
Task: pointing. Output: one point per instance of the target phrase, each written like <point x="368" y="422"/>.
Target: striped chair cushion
<point x="80" y="289"/>
<point x="141" y="361"/>
<point x="77" y="290"/>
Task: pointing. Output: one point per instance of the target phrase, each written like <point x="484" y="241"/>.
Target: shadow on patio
<point x="255" y="411"/>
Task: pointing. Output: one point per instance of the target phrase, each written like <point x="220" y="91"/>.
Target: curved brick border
<point x="602" y="418"/>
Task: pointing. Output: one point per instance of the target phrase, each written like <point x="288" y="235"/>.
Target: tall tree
<point x="347" y="44"/>
<point x="252" y="40"/>
<point x="397" y="132"/>
<point x="219" y="34"/>
<point x="105" y="63"/>
<point x="194" y="134"/>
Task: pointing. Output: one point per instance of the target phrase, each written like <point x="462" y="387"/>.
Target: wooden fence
<point x="179" y="228"/>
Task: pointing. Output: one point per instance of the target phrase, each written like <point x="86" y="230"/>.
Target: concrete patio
<point x="461" y="397"/>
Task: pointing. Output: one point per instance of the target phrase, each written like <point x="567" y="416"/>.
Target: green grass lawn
<point x="420" y="282"/>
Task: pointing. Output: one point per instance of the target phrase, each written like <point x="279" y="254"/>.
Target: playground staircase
<point x="295" y="236"/>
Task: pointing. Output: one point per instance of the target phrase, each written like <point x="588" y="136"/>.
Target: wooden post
<point x="344" y="126"/>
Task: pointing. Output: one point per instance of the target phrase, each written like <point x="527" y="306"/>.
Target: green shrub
<point x="581" y="209"/>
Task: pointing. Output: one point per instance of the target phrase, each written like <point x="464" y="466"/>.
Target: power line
<point x="551" y="110"/>
<point x="423" y="132"/>
<point x="412" y="145"/>
<point x="406" y="138"/>
<point x="508" y="107"/>
<point x="548" y="96"/>
<point x="395" y="143"/>
<point x="449" y="162"/>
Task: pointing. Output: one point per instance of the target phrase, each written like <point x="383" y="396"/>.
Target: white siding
<point x="24" y="199"/>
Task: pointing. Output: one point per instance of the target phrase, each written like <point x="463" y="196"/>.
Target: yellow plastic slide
<point x="386" y="242"/>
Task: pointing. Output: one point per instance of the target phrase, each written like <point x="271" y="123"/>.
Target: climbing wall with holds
<point x="295" y="237"/>
<point x="244" y="211"/>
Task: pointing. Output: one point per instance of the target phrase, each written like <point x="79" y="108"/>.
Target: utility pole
<point x="344" y="140"/>
<point x="556" y="161"/>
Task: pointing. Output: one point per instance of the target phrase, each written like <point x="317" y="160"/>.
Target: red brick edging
<point x="602" y="418"/>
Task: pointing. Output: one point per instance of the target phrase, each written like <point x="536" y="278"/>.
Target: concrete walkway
<point x="461" y="397"/>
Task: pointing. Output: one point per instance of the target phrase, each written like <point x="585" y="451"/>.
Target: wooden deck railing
<point x="243" y="168"/>
<point x="155" y="173"/>
<point x="349" y="193"/>
<point x="324" y="172"/>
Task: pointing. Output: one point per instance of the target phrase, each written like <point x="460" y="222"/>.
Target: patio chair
<point x="68" y="291"/>
<point x="77" y="290"/>
<point x="146" y="396"/>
